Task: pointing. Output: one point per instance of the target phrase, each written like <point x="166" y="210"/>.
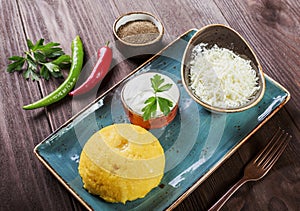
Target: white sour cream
<point x="136" y="91"/>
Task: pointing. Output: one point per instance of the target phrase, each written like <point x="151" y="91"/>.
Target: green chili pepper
<point x="69" y="83"/>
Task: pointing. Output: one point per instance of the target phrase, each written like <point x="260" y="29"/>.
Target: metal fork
<point x="260" y="165"/>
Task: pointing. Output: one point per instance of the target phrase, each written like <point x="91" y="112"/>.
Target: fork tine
<point x="262" y="155"/>
<point x="273" y="150"/>
<point x="279" y="151"/>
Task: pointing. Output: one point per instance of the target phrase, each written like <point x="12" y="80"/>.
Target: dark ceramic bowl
<point x="138" y="49"/>
<point x="224" y="37"/>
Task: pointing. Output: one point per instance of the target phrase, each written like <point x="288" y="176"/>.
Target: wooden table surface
<point x="272" y="27"/>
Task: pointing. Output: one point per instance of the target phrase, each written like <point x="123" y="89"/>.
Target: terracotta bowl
<point x="130" y="49"/>
<point x="137" y="90"/>
<point x="224" y="37"/>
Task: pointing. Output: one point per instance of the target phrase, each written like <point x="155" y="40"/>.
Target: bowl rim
<point x="161" y="32"/>
<point x="214" y="108"/>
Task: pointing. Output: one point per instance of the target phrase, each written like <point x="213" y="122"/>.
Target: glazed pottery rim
<point x="158" y="22"/>
<point x="260" y="74"/>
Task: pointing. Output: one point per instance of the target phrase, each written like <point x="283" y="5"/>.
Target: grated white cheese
<point x="220" y="77"/>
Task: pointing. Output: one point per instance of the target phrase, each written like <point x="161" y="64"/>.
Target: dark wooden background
<point x="272" y="27"/>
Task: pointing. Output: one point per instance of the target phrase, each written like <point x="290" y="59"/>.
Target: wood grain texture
<point x="271" y="27"/>
<point x="22" y="183"/>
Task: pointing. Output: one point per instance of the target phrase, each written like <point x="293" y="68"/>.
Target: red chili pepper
<point x="98" y="73"/>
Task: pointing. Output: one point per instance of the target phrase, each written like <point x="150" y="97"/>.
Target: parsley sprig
<point x="41" y="60"/>
<point x="156" y="101"/>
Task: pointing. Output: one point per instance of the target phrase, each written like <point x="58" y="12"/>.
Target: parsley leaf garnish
<point x="41" y="60"/>
<point x="155" y="101"/>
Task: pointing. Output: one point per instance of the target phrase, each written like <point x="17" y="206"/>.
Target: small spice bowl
<point x="138" y="34"/>
<point x="137" y="90"/>
<point x="221" y="38"/>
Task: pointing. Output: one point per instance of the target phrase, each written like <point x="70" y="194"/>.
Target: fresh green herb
<point x="41" y="60"/>
<point x="154" y="101"/>
<point x="69" y="83"/>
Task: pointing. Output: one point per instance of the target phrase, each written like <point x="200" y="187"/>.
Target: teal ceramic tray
<point x="195" y="143"/>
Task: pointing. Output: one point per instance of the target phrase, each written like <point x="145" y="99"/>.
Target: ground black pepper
<point x="138" y="32"/>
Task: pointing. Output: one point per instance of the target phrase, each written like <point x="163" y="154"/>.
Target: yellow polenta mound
<point x="121" y="162"/>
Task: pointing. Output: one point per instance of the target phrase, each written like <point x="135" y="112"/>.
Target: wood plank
<point x="23" y="186"/>
<point x="179" y="16"/>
